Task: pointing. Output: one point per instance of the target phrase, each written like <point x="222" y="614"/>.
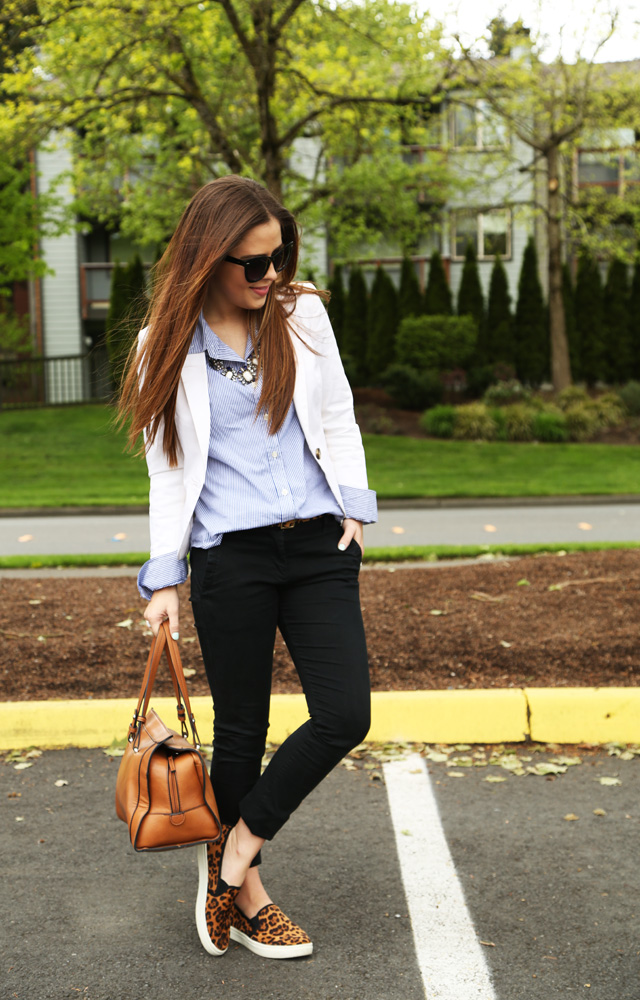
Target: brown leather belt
<point x="299" y="520"/>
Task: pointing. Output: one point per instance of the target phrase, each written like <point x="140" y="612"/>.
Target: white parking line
<point x="450" y="958"/>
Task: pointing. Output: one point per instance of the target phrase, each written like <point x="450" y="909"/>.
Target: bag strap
<point x="163" y="642"/>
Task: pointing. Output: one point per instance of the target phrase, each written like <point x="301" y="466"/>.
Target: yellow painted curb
<point x="584" y="715"/>
<point x="557" y="715"/>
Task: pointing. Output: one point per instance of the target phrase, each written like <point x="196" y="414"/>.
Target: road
<point x="421" y="884"/>
<point x="481" y="525"/>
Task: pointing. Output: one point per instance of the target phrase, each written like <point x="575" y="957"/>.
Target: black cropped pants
<point x="298" y="580"/>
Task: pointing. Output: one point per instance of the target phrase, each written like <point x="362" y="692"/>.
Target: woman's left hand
<point x="351" y="529"/>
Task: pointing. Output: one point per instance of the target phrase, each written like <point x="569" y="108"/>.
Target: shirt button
<point x="318" y="454"/>
<point x="266" y="416"/>
<point x="284" y="492"/>
<point x="274" y="454"/>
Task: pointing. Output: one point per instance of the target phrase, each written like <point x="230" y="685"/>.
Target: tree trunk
<point x="560" y="363"/>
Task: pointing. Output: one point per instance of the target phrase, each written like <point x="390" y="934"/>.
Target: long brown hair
<point x="216" y="219"/>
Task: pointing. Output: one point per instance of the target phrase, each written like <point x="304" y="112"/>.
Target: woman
<point x="257" y="470"/>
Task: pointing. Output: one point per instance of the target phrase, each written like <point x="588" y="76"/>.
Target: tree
<point x="437" y="297"/>
<point x="499" y="336"/>
<point x="409" y="297"/>
<point x="618" y="357"/>
<point x="569" y="304"/>
<point x="634" y="320"/>
<point x="470" y="297"/>
<point x="530" y="322"/>
<point x="336" y="306"/>
<point x="161" y="98"/>
<point x="550" y="105"/>
<point x="589" y="317"/>
<point x="356" y="320"/>
<point x="383" y="323"/>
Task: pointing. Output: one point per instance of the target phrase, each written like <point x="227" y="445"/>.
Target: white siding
<point x="62" y="327"/>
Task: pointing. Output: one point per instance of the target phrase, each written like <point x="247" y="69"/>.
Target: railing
<point x="28" y="382"/>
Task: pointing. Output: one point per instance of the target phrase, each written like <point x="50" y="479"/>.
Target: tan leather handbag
<point x="163" y="789"/>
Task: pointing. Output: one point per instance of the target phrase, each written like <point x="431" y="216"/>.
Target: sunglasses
<point x="255" y="268"/>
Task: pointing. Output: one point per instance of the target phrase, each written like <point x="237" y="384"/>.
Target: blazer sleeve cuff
<point x="159" y="572"/>
<point x="360" y="504"/>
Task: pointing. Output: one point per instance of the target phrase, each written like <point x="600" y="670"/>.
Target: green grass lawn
<point x="73" y="456"/>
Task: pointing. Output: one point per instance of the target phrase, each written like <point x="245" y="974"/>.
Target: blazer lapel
<point x="194" y="381"/>
<point x="300" y="397"/>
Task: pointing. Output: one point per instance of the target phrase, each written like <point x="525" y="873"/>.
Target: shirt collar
<point x="217" y="348"/>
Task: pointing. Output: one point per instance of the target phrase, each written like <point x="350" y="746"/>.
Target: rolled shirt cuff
<point x="159" y="572"/>
<point x="360" y="504"/>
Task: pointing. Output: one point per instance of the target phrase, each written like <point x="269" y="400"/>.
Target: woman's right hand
<point x="164" y="605"/>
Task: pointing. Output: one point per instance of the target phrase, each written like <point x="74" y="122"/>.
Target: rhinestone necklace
<point x="246" y="375"/>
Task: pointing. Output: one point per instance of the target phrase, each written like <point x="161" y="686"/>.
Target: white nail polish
<point x="175" y="635"/>
<point x="341" y="546"/>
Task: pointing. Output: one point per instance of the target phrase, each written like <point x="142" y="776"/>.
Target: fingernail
<point x="175" y="635"/>
<point x="341" y="546"/>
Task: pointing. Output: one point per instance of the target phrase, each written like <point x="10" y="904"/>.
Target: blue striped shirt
<point x="253" y="478"/>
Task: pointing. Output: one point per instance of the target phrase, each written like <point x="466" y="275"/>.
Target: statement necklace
<point x="247" y="374"/>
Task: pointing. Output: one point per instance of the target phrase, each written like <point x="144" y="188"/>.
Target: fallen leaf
<point x="455" y="774"/>
<point x="582" y="583"/>
<point x="547" y="767"/>
<point x="60" y="783"/>
<point x="25" y="538"/>
<point x="398" y="531"/>
<point x="116" y="752"/>
<point x="479" y="595"/>
<point x="585" y="526"/>
<point x="35" y="602"/>
<point x="19" y="819"/>
<point x="406" y="833"/>
<point x="438" y="758"/>
<point x="437" y="611"/>
<point x="571" y="816"/>
<point x="599" y="812"/>
<point x="609" y="781"/>
<point x="494" y="778"/>
<point x="127" y="623"/>
<point x="23" y="765"/>
<point x="507" y="645"/>
<point x="189" y="672"/>
<point x="120" y="537"/>
<point x="523" y="583"/>
<point x="490" y="528"/>
<point x="488" y="944"/>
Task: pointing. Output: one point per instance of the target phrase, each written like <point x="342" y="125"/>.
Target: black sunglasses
<point x="255" y="268"/>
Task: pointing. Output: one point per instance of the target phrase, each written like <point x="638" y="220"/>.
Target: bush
<point x="354" y="370"/>
<point x="609" y="410"/>
<point x="519" y="421"/>
<point x="500" y="393"/>
<point x="630" y="396"/>
<point x="500" y="420"/>
<point x="571" y="396"/>
<point x="411" y="389"/>
<point x="582" y="422"/>
<point x="474" y="423"/>
<point x="437" y="342"/>
<point x="550" y="425"/>
<point x="439" y="421"/>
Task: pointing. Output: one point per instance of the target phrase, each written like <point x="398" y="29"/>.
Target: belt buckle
<point x="287" y="524"/>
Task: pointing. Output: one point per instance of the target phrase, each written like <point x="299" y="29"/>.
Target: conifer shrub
<point x="383" y="323"/>
<point x="630" y="396"/>
<point x="530" y="325"/>
<point x="581" y="421"/>
<point x="549" y="425"/>
<point x="127" y="306"/>
<point x="499" y="332"/>
<point x="474" y="423"/>
<point x="519" y="422"/>
<point x="439" y="421"/>
<point x="355" y="325"/>
<point x="589" y="319"/>
<point x="410" y="301"/>
<point x="411" y="388"/>
<point x="441" y="343"/>
<point x="437" y="296"/>
<point x="618" y="356"/>
<point x="336" y="304"/>
<point x="470" y="298"/>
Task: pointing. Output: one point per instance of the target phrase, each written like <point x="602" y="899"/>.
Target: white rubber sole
<point x="201" y="903"/>
<point x="271" y="950"/>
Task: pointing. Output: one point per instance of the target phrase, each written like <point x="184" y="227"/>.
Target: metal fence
<point x="29" y="382"/>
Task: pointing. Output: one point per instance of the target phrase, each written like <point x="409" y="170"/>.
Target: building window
<point x="488" y="232"/>
<point x="611" y="171"/>
<point x="476" y="126"/>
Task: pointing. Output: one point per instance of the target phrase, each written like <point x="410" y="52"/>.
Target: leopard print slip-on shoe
<point x="215" y="899"/>
<point x="270" y="933"/>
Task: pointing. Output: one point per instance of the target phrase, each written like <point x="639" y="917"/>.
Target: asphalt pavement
<point x="510" y="898"/>
<point x="443" y="525"/>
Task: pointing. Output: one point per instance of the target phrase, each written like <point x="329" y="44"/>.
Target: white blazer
<point x="324" y="406"/>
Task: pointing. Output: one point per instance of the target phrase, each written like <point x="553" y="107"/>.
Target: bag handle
<point x="163" y="642"/>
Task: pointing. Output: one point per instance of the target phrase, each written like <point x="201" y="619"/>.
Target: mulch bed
<point x="574" y="622"/>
